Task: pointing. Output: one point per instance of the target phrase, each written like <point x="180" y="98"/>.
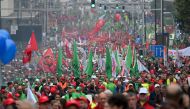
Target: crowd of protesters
<point x="164" y="87"/>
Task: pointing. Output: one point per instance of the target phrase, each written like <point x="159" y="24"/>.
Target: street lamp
<point x="0" y="13"/>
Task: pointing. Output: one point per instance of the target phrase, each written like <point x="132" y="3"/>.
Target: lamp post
<point x="155" y="18"/>
<point x="0" y="13"/>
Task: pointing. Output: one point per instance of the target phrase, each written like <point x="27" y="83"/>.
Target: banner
<point x="181" y="52"/>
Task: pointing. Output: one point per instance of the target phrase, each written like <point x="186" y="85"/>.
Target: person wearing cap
<point x="10" y="87"/>
<point x="79" y="91"/>
<point x="21" y="92"/>
<point x="143" y="101"/>
<point x="9" y="103"/>
<point x="72" y="104"/>
<point x="130" y="88"/>
<point x="71" y="93"/>
<point x="111" y="86"/>
<point x="62" y="83"/>
<point x="45" y="90"/>
<point x="155" y="98"/>
<point x="145" y="84"/>
<point x="84" y="103"/>
<point x="92" y="88"/>
<point x="44" y="102"/>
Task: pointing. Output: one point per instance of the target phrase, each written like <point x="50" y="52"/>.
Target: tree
<point x="182" y="14"/>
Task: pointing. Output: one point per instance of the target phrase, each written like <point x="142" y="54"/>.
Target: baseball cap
<point x="73" y="102"/>
<point x="156" y="85"/>
<point x="143" y="90"/>
<point x="8" y="101"/>
<point x="130" y="84"/>
<point x="43" y="99"/>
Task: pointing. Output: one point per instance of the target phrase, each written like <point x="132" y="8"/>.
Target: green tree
<point x="182" y="14"/>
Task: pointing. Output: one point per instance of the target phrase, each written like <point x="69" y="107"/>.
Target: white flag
<point x="31" y="96"/>
<point x="141" y="67"/>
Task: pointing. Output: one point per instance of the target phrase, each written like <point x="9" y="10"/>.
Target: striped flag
<point x="141" y="67"/>
<point x="67" y="50"/>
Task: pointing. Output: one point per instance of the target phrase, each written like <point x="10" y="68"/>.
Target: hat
<point x="51" y="84"/>
<point x="83" y="99"/>
<point x="156" y="85"/>
<point x="3" y="91"/>
<point x="111" y="79"/>
<point x="94" y="76"/>
<point x="82" y="85"/>
<point x="73" y="102"/>
<point x="143" y="90"/>
<point x="102" y="87"/>
<point x="130" y="84"/>
<point x="43" y="99"/>
<point x="72" y="87"/>
<point x="126" y="81"/>
<point x="53" y="89"/>
<point x="9" y="95"/>
<point x="37" y="80"/>
<point x="26" y="80"/>
<point x="62" y="78"/>
<point x="47" y="87"/>
<point x="17" y="95"/>
<point x="9" y="101"/>
<point x="78" y="88"/>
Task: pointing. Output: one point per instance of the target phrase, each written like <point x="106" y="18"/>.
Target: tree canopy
<point x="182" y="14"/>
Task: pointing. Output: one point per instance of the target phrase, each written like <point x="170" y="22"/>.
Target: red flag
<point x="47" y="62"/>
<point x="147" y="45"/>
<point x="48" y="52"/>
<point x="26" y="57"/>
<point x="32" y="46"/>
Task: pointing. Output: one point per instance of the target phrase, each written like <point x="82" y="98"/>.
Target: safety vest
<point x="169" y="82"/>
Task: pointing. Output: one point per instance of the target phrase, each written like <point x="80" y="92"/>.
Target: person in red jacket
<point x="143" y="99"/>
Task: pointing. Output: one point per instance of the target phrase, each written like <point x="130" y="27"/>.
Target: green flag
<point x="89" y="69"/>
<point x="118" y="68"/>
<point x="108" y="63"/>
<point x="59" y="62"/>
<point x="134" y="70"/>
<point x="129" y="57"/>
<point x="75" y="61"/>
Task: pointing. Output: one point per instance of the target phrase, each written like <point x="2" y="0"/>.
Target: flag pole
<point x="1" y="81"/>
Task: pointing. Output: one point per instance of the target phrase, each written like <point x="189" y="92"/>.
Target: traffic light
<point x="100" y="5"/>
<point x="105" y="8"/>
<point x="123" y="8"/>
<point x="117" y="6"/>
<point x="93" y="3"/>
